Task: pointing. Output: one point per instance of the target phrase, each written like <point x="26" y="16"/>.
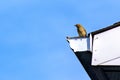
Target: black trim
<point x="107" y="28"/>
<point x="98" y="72"/>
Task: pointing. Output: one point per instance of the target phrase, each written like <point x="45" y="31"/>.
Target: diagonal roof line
<point x="106" y="28"/>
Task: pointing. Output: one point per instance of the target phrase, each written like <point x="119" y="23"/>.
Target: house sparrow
<point x="81" y="31"/>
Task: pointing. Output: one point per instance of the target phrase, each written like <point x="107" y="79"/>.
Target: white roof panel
<point x="106" y="47"/>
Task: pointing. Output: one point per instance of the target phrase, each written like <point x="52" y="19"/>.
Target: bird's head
<point x="77" y="25"/>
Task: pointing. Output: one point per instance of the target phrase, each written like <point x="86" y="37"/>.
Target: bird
<point x="81" y="30"/>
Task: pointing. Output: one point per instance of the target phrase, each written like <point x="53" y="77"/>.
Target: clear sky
<point x="33" y="34"/>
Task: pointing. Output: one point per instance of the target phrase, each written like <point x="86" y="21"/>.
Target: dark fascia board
<point x="105" y="29"/>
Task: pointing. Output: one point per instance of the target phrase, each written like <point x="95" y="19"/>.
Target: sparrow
<point x="81" y="30"/>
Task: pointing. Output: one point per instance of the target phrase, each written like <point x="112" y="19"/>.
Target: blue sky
<point x="33" y="34"/>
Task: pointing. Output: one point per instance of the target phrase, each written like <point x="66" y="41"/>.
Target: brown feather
<point x="81" y="30"/>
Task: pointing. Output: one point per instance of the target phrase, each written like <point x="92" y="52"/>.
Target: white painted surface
<point x="115" y="62"/>
<point x="91" y="43"/>
<point x="79" y="44"/>
<point x="106" y="48"/>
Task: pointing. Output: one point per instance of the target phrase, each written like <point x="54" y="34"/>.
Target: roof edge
<point x="106" y="28"/>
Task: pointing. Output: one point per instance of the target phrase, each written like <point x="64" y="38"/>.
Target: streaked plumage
<point x="81" y="31"/>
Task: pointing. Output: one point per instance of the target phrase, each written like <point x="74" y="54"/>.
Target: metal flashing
<point x="79" y="44"/>
<point x="106" y="28"/>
